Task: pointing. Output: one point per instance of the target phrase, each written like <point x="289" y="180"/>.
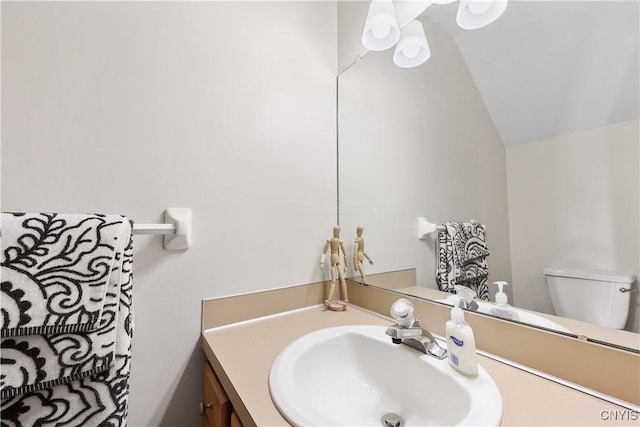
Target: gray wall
<point x="573" y="203"/>
<point x="224" y="107"/>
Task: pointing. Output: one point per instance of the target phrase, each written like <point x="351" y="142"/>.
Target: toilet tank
<point x="590" y="296"/>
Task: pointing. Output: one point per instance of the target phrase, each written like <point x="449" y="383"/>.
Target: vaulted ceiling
<point x="551" y="68"/>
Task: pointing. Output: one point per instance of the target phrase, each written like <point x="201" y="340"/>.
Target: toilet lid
<point x="592" y="275"/>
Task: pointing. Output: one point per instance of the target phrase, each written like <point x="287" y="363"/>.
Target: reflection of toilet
<point x="591" y="297"/>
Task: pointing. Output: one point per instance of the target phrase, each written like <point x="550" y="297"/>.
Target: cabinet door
<point x="235" y="421"/>
<point x="215" y="403"/>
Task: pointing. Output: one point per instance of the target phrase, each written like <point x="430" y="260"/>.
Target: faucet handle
<point x="402" y="312"/>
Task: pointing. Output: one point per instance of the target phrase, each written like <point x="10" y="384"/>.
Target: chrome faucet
<point x="467" y="298"/>
<point x="408" y="331"/>
<point x="471" y="306"/>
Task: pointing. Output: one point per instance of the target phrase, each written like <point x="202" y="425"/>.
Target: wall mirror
<point x="528" y="125"/>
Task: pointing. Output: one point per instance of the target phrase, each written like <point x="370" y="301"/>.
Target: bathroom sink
<point x="355" y="375"/>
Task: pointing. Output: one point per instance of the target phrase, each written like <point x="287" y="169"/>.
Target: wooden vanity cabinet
<point x="215" y="407"/>
<point x="235" y="421"/>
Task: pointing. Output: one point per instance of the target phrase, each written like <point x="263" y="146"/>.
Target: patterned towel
<point x="462" y="258"/>
<point x="67" y="319"/>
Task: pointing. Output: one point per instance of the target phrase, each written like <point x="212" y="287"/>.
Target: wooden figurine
<point x="336" y="245"/>
<point x="359" y="254"/>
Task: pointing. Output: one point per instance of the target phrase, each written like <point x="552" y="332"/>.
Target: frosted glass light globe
<point x="478" y="7"/>
<point x="474" y="14"/>
<point x="412" y="49"/>
<point x="381" y="31"/>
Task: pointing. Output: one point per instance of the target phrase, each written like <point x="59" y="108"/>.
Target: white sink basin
<point x="354" y="375"/>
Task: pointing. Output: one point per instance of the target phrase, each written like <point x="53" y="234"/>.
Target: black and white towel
<point x="462" y="258"/>
<point x="67" y="319"/>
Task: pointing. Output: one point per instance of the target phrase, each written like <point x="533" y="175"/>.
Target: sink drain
<point x="392" y="420"/>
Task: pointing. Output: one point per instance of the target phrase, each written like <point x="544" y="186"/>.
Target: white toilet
<point x="599" y="298"/>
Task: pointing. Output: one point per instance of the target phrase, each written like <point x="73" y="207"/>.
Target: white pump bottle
<point x="502" y="308"/>
<point x="461" y="344"/>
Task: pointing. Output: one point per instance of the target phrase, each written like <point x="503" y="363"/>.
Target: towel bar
<point x="443" y="227"/>
<point x="154" y="228"/>
<point x="176" y="229"/>
<point x="425" y="227"/>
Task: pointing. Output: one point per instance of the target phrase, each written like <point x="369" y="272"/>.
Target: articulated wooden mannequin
<point x="336" y="245"/>
<point x="359" y="254"/>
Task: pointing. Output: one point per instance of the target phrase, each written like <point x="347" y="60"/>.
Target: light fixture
<point x="381" y="30"/>
<point x="473" y="14"/>
<point x="412" y="49"/>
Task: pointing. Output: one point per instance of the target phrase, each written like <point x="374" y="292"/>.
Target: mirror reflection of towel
<point x="462" y="258"/>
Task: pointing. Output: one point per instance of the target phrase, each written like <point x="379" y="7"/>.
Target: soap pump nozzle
<point x="457" y="315"/>
<point x="501" y="297"/>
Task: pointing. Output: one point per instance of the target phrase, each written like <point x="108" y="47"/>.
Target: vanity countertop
<point x="242" y="354"/>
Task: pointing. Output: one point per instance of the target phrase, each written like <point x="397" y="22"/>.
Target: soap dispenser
<point x="461" y="344"/>
<point x="502" y="308"/>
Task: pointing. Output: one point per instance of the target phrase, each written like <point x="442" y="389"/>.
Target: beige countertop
<point x="242" y="355"/>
